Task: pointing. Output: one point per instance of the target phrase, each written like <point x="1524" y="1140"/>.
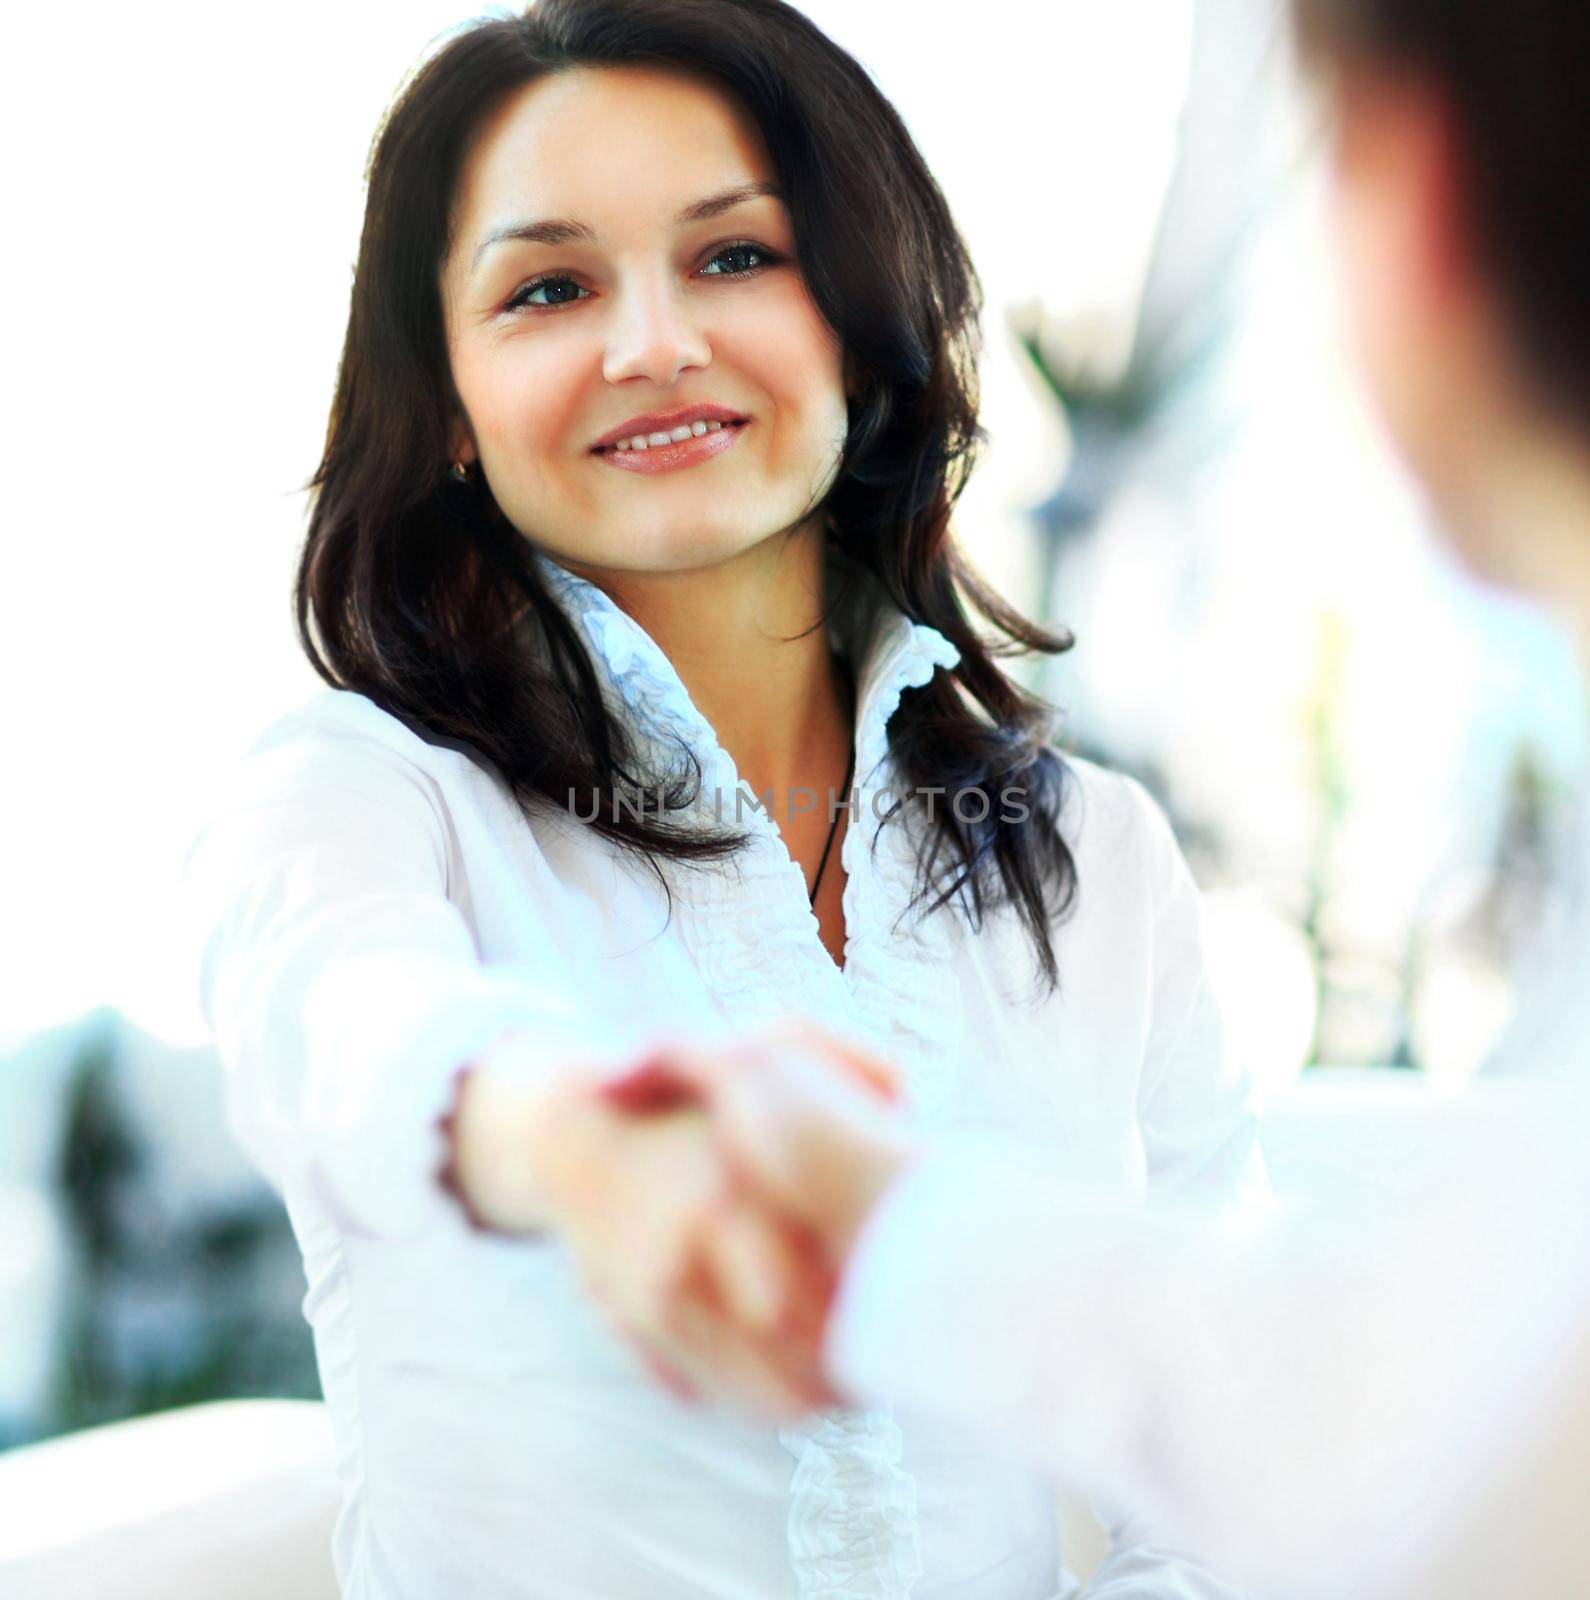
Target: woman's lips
<point x="671" y="457"/>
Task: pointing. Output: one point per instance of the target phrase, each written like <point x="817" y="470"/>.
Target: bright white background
<point x="186" y="194"/>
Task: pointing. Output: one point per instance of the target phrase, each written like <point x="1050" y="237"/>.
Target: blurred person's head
<point x="1460" y="138"/>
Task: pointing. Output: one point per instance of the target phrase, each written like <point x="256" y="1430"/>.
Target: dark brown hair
<point x="1516" y="75"/>
<point x="414" y="580"/>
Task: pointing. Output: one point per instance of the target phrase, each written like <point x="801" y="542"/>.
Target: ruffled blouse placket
<point x="852" y="1530"/>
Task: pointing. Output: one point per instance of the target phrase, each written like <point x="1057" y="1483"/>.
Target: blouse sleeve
<point x="341" y="984"/>
<point x="1250" y="1386"/>
<point x="1028" y="1308"/>
<point x="1196" y="1112"/>
<point x="1200" y="1136"/>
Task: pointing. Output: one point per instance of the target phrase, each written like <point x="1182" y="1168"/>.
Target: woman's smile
<point x="686" y="446"/>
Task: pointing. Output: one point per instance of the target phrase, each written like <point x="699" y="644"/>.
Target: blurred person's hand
<point x="803" y="1121"/>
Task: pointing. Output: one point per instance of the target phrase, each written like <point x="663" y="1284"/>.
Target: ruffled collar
<point x="892" y="653"/>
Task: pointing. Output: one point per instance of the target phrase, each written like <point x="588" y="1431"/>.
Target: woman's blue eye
<point x="557" y="281"/>
<point x="523" y="296"/>
<point x="740" y="250"/>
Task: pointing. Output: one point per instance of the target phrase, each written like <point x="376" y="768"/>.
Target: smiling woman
<point x="534" y="282"/>
<point x="658" y="393"/>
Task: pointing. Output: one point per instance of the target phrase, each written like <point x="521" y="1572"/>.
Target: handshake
<point x="708" y="1195"/>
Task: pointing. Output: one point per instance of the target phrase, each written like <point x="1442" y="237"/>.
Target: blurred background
<point x="1369" y="760"/>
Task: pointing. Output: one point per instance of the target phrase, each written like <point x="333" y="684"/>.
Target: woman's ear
<point x="852" y="377"/>
<point x="461" y="446"/>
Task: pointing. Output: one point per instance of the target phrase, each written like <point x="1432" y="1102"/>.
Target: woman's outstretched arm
<point x="371" y="1054"/>
<point x="343" y="986"/>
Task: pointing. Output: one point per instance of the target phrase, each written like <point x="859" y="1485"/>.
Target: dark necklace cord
<point x="850" y="767"/>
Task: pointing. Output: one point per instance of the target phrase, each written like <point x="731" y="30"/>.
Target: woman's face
<point x="560" y="337"/>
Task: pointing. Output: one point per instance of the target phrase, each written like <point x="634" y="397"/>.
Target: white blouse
<point x="370" y="909"/>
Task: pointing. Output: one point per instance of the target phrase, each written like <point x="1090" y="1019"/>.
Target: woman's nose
<point x="655" y="335"/>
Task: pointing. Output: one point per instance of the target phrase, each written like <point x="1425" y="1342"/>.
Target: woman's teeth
<point x="644" y="441"/>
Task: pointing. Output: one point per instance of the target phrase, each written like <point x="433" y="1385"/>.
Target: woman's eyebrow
<point x="564" y="230"/>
